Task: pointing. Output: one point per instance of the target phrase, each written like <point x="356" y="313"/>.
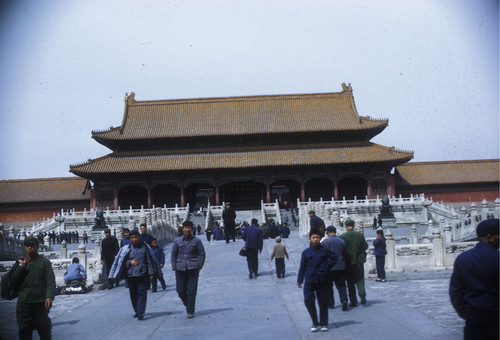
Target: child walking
<point x="160" y="258"/>
<point x="315" y="263"/>
<point x="279" y="253"/>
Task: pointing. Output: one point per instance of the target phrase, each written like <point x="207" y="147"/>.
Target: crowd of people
<point x="329" y="261"/>
<point x="58" y="237"/>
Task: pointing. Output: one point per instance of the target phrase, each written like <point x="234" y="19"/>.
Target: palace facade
<point x="242" y="150"/>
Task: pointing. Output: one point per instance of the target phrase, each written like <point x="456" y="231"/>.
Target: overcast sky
<point x="430" y="66"/>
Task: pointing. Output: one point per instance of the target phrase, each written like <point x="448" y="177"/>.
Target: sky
<point x="429" y="66"/>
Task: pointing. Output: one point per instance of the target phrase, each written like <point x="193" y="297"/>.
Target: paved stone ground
<point x="229" y="306"/>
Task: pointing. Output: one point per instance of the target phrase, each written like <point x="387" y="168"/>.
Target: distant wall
<point x="37" y="211"/>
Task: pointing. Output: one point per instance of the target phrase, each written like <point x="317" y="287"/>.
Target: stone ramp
<point x="230" y="306"/>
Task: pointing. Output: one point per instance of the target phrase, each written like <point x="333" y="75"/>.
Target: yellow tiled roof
<point x="449" y="172"/>
<point x="157" y="161"/>
<point x="43" y="190"/>
<point x="240" y="116"/>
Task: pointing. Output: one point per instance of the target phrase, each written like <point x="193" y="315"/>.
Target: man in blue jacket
<point x="315" y="263"/>
<point x="474" y="284"/>
<point x="253" y="242"/>
<point x="336" y="273"/>
<point x="136" y="262"/>
<point x="188" y="257"/>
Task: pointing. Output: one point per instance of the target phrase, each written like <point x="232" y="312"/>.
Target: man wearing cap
<point x="337" y="272"/>
<point x="254" y="243"/>
<point x="316" y="222"/>
<point x="474" y="284"/>
<point x="35" y="278"/>
<point x="315" y="263"/>
<point x="187" y="257"/>
<point x="355" y="257"/>
<point x="229" y="217"/>
<point x="136" y="262"/>
<point x="109" y="249"/>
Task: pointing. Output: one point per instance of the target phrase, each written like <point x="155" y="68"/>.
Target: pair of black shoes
<point x="139" y="316"/>
<point x="252" y="275"/>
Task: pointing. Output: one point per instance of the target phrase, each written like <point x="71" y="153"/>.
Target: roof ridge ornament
<point x="346" y="88"/>
<point x="130" y="99"/>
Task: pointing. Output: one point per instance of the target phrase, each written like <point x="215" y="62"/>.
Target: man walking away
<point x="109" y="249"/>
<point x="337" y="272"/>
<point x="355" y="257"/>
<point x="253" y="242"/>
<point x="474" y="284"/>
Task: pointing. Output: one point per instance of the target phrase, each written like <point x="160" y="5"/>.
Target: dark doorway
<point x="318" y="188"/>
<point x="199" y="195"/>
<point x="349" y="187"/>
<point x="134" y="196"/>
<point x="166" y="194"/>
<point x="243" y="196"/>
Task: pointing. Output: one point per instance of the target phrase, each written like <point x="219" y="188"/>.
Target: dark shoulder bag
<point x="9" y="290"/>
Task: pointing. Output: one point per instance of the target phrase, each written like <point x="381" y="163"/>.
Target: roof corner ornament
<point x="346" y="88"/>
<point x="130" y="99"/>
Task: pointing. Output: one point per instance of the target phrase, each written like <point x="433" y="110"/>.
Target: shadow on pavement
<point x="213" y="311"/>
<point x="71" y="322"/>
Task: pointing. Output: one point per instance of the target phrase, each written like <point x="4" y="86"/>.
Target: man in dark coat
<point x="144" y="236"/>
<point x="109" y="249"/>
<point x="36" y="282"/>
<point x="188" y="257"/>
<point x="474" y="284"/>
<point x="229" y="217"/>
<point x="254" y="243"/>
<point x="355" y="258"/>
<point x="316" y="222"/>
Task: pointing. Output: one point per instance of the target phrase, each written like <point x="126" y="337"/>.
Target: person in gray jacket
<point x="336" y="273"/>
<point x="188" y="257"/>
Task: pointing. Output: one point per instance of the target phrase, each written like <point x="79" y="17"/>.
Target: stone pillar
<point x="97" y="249"/>
<point x="473" y="211"/>
<point x="447" y="234"/>
<point x="497" y="208"/>
<point x="391" y="251"/>
<point x="413" y="235"/>
<point x="64" y="250"/>
<point x="454" y="225"/>
<point x="46" y="240"/>
<point x="23" y="235"/>
<point x="115" y="195"/>
<point x="430" y="224"/>
<point x="442" y="223"/>
<point x="11" y="232"/>
<point x="82" y="255"/>
<point x="484" y="209"/>
<point x="119" y="233"/>
<point x="438" y="248"/>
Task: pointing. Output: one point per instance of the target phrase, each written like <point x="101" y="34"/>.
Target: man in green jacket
<point x="36" y="282"/>
<point x="355" y="257"/>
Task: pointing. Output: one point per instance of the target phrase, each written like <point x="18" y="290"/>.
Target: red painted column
<point x="115" y="195"/>
<point x="217" y="196"/>
<point x="369" y="186"/>
<point x="335" y="188"/>
<point x="302" y="190"/>
<point x="268" y="191"/>
<point x="150" y="200"/>
<point x="183" y="202"/>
